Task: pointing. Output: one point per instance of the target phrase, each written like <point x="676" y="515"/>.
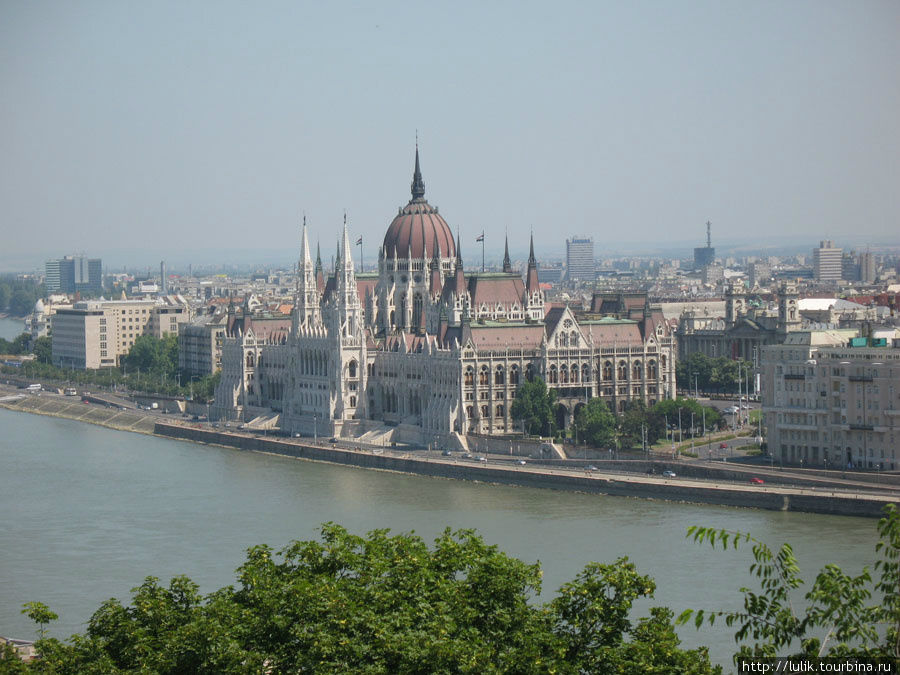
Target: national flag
<point x="480" y="237"/>
<point x="359" y="241"/>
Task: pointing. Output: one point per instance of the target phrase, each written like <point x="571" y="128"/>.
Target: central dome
<point x="418" y="229"/>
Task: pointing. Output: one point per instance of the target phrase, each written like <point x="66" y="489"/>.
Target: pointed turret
<point x="507" y="265"/>
<point x="436" y="282"/>
<point x="418" y="185"/>
<point x="307" y="301"/>
<point x="531" y="281"/>
<point x="320" y="271"/>
<point x="534" y="298"/>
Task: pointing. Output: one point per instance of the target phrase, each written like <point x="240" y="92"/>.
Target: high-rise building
<point x="705" y="255"/>
<point x="827" y="265"/>
<point x="163" y="282"/>
<point x="580" y="258"/>
<point x="73" y="273"/>
<point x="867" y="268"/>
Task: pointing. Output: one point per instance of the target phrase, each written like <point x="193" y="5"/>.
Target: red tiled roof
<point x="501" y="337"/>
<point x="415" y="232"/>
<point x="493" y="289"/>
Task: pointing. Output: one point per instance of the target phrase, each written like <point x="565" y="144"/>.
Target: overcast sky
<point x="135" y="131"/>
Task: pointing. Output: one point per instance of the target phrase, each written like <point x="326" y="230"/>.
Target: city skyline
<point x="141" y="133"/>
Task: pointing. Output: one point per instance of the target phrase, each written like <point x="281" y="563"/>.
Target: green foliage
<point x="40" y="614"/>
<point x="43" y="349"/>
<point x="596" y="424"/>
<point x="153" y="355"/>
<point x="839" y="621"/>
<point x="713" y="374"/>
<point x="534" y="406"/>
<point x="19" y="345"/>
<point x="382" y="604"/>
<point x="18" y="296"/>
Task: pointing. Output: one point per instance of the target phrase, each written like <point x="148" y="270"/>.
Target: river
<point x="88" y="512"/>
<point x="11" y="327"/>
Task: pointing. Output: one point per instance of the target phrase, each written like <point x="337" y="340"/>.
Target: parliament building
<point x="429" y="352"/>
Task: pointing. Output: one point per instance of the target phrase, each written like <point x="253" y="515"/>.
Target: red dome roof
<point x="418" y="228"/>
<point x="416" y="231"/>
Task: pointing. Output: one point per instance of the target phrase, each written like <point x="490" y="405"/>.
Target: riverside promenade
<point x="856" y="498"/>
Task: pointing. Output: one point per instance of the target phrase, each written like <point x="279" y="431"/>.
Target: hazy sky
<point x="195" y="130"/>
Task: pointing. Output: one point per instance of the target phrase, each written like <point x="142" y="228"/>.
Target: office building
<point x="72" y="274"/>
<point x="705" y="255"/>
<point x="827" y="262"/>
<point x="580" y="259"/>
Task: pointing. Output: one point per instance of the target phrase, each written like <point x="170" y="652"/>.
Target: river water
<point x="11" y="327"/>
<point x="88" y="512"/>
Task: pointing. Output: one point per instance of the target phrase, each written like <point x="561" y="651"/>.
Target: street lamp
<point x="696" y="387"/>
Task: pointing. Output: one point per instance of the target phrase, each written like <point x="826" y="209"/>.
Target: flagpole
<point x="359" y="243"/>
<point x="482" y="250"/>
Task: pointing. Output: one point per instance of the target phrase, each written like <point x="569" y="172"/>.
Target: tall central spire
<point x="418" y="185"/>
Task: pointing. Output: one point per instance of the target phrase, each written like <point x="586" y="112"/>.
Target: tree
<point x="382" y="604"/>
<point x="839" y="620"/>
<point x="40" y="614"/>
<point x="154" y="355"/>
<point x="534" y="406"/>
<point x="43" y="349"/>
<point x="597" y="423"/>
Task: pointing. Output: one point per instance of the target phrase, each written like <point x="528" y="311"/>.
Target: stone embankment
<point x="831" y="501"/>
<point x="853" y="499"/>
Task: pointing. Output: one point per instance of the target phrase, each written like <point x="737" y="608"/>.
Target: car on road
<point x="446" y="453"/>
<point x="467" y="455"/>
<point x="521" y="462"/>
<point x="669" y="474"/>
<point x="723" y="445"/>
<point x="757" y="481"/>
<point x="481" y="458"/>
<point x="590" y="467"/>
<point x="731" y="410"/>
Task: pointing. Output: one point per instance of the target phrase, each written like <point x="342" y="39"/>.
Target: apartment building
<point x="96" y="334"/>
<point x="200" y="345"/>
<point x="833" y="401"/>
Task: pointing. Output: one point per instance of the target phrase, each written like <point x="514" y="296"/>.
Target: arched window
<point x="564" y="374"/>
<point x="607" y="370"/>
<point x="470" y="411"/>
<point x="499" y="411"/>
<point x="485" y="411"/>
<point x="622" y="371"/>
<point x="585" y="373"/>
<point x="514" y="375"/>
<point x="352" y="401"/>
<point x="483" y="377"/>
<point x="573" y="338"/>
<point x="651" y="370"/>
<point x="574" y="373"/>
<point x="636" y="371"/>
<point x="529" y="372"/>
<point x="250" y="359"/>
<point x="499" y="376"/>
<point x="563" y="340"/>
<point x="663" y="361"/>
<point x="470" y="377"/>
<point x="553" y="376"/>
<point x="351" y="369"/>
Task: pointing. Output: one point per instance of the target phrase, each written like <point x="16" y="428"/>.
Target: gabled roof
<point x="489" y="289"/>
<point x="504" y="335"/>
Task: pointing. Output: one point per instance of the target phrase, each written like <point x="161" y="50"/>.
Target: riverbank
<point x="829" y="500"/>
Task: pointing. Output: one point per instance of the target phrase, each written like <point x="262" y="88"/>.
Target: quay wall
<point x="772" y="498"/>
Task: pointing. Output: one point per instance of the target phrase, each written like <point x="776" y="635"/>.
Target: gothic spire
<point x="458" y="250"/>
<point x="507" y="265"/>
<point x="531" y="259"/>
<point x="418" y="185"/>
